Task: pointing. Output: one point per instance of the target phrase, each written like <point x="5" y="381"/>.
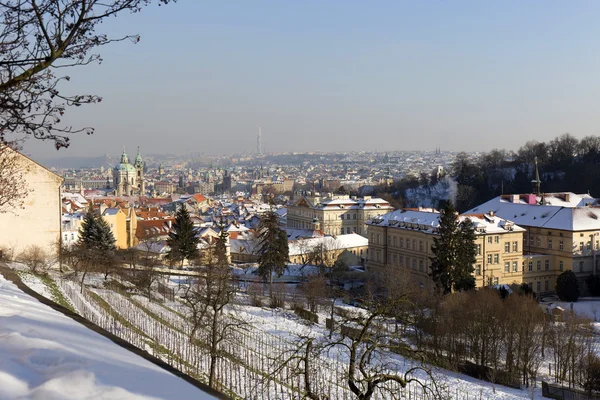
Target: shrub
<point x="593" y="285"/>
<point x="567" y="287"/>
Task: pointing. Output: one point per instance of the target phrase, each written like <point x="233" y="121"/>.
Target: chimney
<point x="567" y="197"/>
<point x="515" y="198"/>
<point x="491" y="213"/>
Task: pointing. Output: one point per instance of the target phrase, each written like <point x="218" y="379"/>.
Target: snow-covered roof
<point x="428" y="220"/>
<point x="564" y="211"/>
<point x="340" y="242"/>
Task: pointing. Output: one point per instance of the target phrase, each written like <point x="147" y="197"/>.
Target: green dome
<point x="125" y="167"/>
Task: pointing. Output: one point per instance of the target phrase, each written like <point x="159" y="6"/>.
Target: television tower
<point x="259" y="149"/>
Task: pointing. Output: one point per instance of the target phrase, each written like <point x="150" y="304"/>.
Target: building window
<point x="497" y="239"/>
<point x="507" y="266"/>
<point x="539" y="265"/>
<point x="478" y="249"/>
<point x="395" y="259"/>
<point x="538" y="241"/>
<point x="353" y="216"/>
<point x="561" y="245"/>
<point x="489" y="239"/>
<point x="414" y="244"/>
<point x="395" y="241"/>
<point x="389" y="241"/>
<point x="546" y="285"/>
<point x="421" y="246"/>
<point x="530" y="266"/>
<point x="515" y="266"/>
<point x="496" y="259"/>
<point x="342" y="232"/>
<point x="401" y="260"/>
<point x="547" y="265"/>
<point x="580" y="266"/>
<point x="539" y="287"/>
<point x="580" y="246"/>
<point x="589" y="245"/>
<point x="378" y="238"/>
<point x="561" y="265"/>
<point x="515" y="246"/>
<point x="414" y="263"/>
<point x="421" y="265"/>
<point x="524" y="240"/>
<point x="495" y="281"/>
<point x="348" y="230"/>
<point x="507" y="247"/>
<point x="550" y="243"/>
<point x="489" y="258"/>
<point x="478" y="270"/>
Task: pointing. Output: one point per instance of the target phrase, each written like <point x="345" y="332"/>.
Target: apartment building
<point x="335" y="214"/>
<point x="562" y="232"/>
<point x="403" y="239"/>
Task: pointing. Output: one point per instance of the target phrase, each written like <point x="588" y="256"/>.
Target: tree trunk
<point x="213" y="348"/>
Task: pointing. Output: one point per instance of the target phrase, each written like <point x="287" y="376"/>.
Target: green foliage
<point x="273" y="246"/>
<point x="95" y="233"/>
<point x="221" y="248"/>
<point x="593" y="285"/>
<point x="183" y="240"/>
<point x="567" y="287"/>
<point x="453" y="253"/>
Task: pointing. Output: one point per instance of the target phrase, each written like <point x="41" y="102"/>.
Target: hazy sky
<point x="341" y="75"/>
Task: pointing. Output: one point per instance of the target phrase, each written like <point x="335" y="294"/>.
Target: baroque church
<point x="128" y="179"/>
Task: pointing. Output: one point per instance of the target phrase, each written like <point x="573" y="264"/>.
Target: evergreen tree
<point x="221" y="248"/>
<point x="183" y="240"/>
<point x="454" y="253"/>
<point x="466" y="257"/>
<point x="273" y="248"/>
<point x="445" y="249"/>
<point x="95" y="248"/>
<point x="567" y="287"/>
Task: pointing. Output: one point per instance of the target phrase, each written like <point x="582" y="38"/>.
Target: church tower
<point x="139" y="170"/>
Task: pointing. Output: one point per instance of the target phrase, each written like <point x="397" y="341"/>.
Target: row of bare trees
<point x="508" y="337"/>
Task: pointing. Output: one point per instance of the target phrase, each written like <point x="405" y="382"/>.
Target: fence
<point x="558" y="392"/>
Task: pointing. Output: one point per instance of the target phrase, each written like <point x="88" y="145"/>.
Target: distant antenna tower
<point x="259" y="149"/>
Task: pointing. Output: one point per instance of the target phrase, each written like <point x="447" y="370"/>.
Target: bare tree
<point x="207" y="299"/>
<point x="36" y="259"/>
<point x="315" y="291"/>
<point x="37" y="37"/>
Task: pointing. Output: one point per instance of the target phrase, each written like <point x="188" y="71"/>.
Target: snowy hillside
<point x="46" y="355"/>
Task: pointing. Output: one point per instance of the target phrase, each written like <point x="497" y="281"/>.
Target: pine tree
<point x="466" y="256"/>
<point x="183" y="240"/>
<point x="454" y="253"/>
<point x="567" y="287"/>
<point x="95" y="248"/>
<point x="221" y="248"/>
<point x="445" y="249"/>
<point x="273" y="248"/>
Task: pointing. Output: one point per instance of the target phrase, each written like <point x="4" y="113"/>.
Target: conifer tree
<point x="273" y="248"/>
<point x="96" y="245"/>
<point x="221" y="248"/>
<point x="183" y="240"/>
<point x="466" y="257"/>
<point x="454" y="253"/>
<point x="445" y="249"/>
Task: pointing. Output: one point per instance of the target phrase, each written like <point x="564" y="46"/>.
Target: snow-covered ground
<point x="46" y="355"/>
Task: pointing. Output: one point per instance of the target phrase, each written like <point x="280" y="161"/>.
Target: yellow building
<point x="117" y="220"/>
<point x="562" y="233"/>
<point x="335" y="214"/>
<point x="403" y="239"/>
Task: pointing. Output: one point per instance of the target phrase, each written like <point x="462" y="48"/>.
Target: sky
<point x="340" y="75"/>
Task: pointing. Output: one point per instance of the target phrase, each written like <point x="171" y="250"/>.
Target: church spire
<point x="536" y="183"/>
<point x="138" y="159"/>
<point x="124" y="159"/>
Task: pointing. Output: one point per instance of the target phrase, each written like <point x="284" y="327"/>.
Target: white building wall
<point x="38" y="220"/>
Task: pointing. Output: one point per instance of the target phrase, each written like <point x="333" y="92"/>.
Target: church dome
<point x="124" y="164"/>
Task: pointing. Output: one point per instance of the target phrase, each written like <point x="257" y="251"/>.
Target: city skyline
<point x="339" y="77"/>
